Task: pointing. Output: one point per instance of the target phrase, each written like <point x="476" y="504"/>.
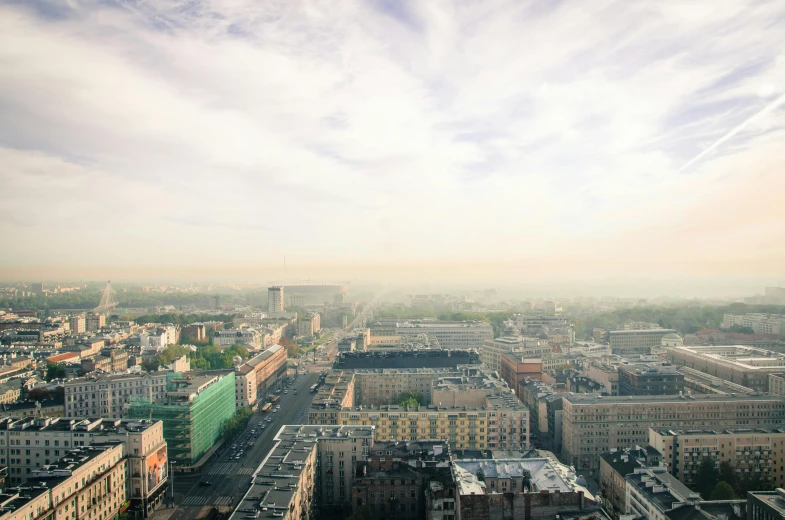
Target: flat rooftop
<point x="64" y="424"/>
<point x="653" y="399"/>
<point x="544" y="474"/>
<point x="669" y="432"/>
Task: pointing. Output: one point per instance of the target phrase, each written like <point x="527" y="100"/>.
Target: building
<point x="518" y="488"/>
<point x="636" y="341"/>
<point x="47" y="408"/>
<point x="37" y="288"/>
<point x="758" y="322"/>
<point x="501" y="423"/>
<point x="671" y="340"/>
<point x="451" y="334"/>
<point x="9" y="393"/>
<point x="752" y="451"/>
<point x="593" y="424"/>
<point x="244" y="336"/>
<point x="193" y="410"/>
<point x="77" y="324"/>
<point x="745" y="366"/>
<point x="777" y="383"/>
<point x="515" y="368"/>
<point x="347" y="345"/>
<point x="493" y="349"/>
<point x="109" y="395"/>
<point x="91" y="478"/>
<point x="309" y="324"/>
<point x="407" y="359"/>
<point x="47" y="440"/>
<point x="650" y="380"/>
<point x="258" y="376"/>
<point x="766" y="505"/>
<point x="614" y="467"/>
<point x="95" y="322"/>
<point x="195" y="332"/>
<point x="275" y="299"/>
<point x="320" y="463"/>
<point x="651" y="492"/>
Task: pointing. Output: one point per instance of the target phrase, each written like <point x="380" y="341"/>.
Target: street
<point x="230" y="478"/>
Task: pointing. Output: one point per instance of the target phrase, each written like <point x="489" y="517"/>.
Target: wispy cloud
<point x="460" y="126"/>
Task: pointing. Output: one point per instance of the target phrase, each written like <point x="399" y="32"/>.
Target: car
<point x="205" y="483"/>
<point x="286" y="391"/>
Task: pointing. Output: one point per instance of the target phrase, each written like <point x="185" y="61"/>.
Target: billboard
<point x="156" y="468"/>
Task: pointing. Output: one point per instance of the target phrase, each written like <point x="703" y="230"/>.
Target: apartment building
<point x="650" y="380"/>
<point x="275" y="299"/>
<point x="501" y="423"/>
<point x="593" y="424"/>
<point x="614" y="467"/>
<point x="777" y="383"/>
<point x="652" y="491"/>
<point x="32" y="444"/>
<point x="108" y="395"/>
<point x="88" y="483"/>
<point x="451" y="334"/>
<point x="636" y="341"/>
<point x="753" y="452"/>
<point x="309" y="324"/>
<point x="308" y="466"/>
<point x="760" y="323"/>
<point x="255" y="378"/>
<point x="742" y="365"/>
<point x="77" y="324"/>
<point x="95" y="322"/>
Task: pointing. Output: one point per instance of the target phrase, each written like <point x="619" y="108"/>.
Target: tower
<point x="275" y="301"/>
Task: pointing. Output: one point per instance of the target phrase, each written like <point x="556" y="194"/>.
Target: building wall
<point x="107" y="397"/>
<point x="636" y="340"/>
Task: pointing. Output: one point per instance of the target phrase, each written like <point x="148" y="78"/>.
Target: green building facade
<point x="196" y="406"/>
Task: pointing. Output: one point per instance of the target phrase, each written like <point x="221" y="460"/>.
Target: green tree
<point x="410" y="399"/>
<point x="728" y="474"/>
<point x="722" y="491"/>
<point x="741" y="329"/>
<point x="707" y="477"/>
<point x="54" y="371"/>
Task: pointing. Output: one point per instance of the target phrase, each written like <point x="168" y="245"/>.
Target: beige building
<point x="450" y="334"/>
<point x="89" y="484"/>
<point x="275" y="299"/>
<point x="77" y="324"/>
<point x="31" y="445"/>
<point x="593" y="424"/>
<point x="777" y="383"/>
<point x="106" y="396"/>
<point x="753" y="452"/>
<point x="257" y="376"/>
<point x="318" y="461"/>
<point x="746" y="366"/>
<point x="309" y="324"/>
<point x="502" y="423"/>
<point x="758" y="322"/>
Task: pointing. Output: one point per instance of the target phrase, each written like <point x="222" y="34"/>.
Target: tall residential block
<point x="275" y="299"/>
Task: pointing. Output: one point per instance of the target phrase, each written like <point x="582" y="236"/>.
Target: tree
<point x="410" y="399"/>
<point x="707" y="477"/>
<point x="741" y="329"/>
<point x="728" y="474"/>
<point x="54" y="371"/>
<point x="723" y="491"/>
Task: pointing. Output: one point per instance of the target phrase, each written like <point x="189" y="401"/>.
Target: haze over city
<point x="463" y="142"/>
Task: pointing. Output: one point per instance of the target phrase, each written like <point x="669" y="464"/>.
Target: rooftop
<point x="597" y="399"/>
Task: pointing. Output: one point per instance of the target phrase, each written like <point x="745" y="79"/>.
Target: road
<point x="230" y="478"/>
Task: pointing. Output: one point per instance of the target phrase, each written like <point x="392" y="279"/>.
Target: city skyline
<point x="583" y="141"/>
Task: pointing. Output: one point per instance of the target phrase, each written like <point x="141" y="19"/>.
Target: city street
<point x="230" y="478"/>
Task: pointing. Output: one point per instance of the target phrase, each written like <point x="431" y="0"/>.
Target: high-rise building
<point x="275" y="299"/>
<point x="193" y="410"/>
<point x="38" y="288"/>
<point x="95" y="321"/>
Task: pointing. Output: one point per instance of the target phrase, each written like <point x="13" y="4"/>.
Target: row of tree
<point x="205" y="357"/>
<point x="725" y="483"/>
<point x="182" y="319"/>
<point x="234" y="425"/>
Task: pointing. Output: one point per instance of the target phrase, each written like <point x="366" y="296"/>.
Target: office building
<point x="275" y="299"/>
<point x="752" y="451"/>
<point x="44" y="441"/>
<point x="636" y="341"/>
<point x="451" y="334"/>
<point x="593" y="424"/>
<point x="759" y="323"/>
<point x="77" y="324"/>
<point x="745" y="366"/>
<point x="108" y="395"/>
<point x="493" y="349"/>
<point x="407" y="359"/>
<point x="193" y="410"/>
<point x="650" y="380"/>
<point x="777" y="383"/>
<point x="260" y="375"/>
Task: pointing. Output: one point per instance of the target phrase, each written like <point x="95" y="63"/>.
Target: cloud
<point x="407" y="131"/>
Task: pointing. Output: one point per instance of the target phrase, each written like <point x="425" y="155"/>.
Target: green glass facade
<point x="192" y="425"/>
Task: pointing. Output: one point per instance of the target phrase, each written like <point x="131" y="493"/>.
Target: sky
<point x="492" y="139"/>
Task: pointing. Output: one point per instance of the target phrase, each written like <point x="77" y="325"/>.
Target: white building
<point x="450" y="334"/>
<point x="309" y="324"/>
<point x="275" y="299"/>
<point x="246" y="336"/>
<point x="106" y="396"/>
<point x="760" y="323"/>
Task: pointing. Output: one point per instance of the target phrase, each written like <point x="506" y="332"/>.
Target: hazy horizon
<point x="602" y="144"/>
